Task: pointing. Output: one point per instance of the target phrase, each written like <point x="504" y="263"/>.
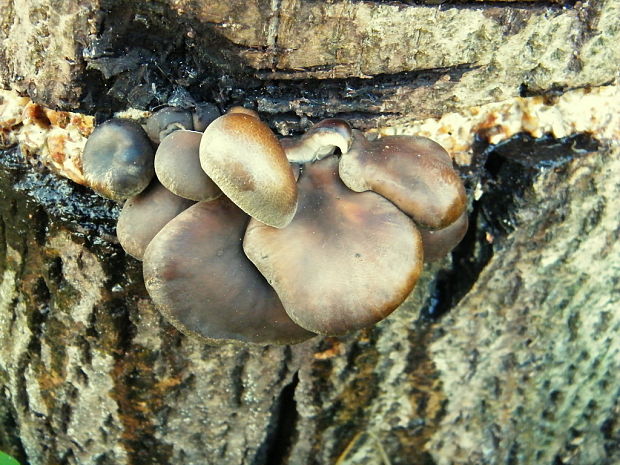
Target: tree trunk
<point x="506" y="352"/>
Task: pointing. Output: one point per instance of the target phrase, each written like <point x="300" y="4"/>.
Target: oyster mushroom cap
<point x="117" y="160"/>
<point x="319" y="141"/>
<point x="415" y="173"/>
<point x="347" y="259"/>
<point x="167" y="120"/>
<point x="204" y="114"/>
<point x="198" y="276"/>
<point x="243" y="110"/>
<point x="244" y="158"/>
<point x="144" y="215"/>
<point x="439" y="242"/>
<point x="177" y="165"/>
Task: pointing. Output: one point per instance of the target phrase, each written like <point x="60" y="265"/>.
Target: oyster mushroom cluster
<point x="247" y="237"/>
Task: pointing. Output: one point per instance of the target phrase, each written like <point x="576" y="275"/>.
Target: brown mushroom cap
<point x="118" y="159"/>
<point x="440" y="242"/>
<point x="415" y="173"/>
<point x="167" y="120"/>
<point x="177" y="165"/>
<point x="319" y="141"/>
<point x="198" y="276"/>
<point x="346" y="261"/>
<point x="244" y="111"/>
<point x="244" y="158"/>
<point x="143" y="216"/>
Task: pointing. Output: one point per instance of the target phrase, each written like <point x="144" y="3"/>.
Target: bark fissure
<point x="283" y="428"/>
<point x="273" y="30"/>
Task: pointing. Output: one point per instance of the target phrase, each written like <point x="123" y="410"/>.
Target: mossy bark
<point x="507" y="352"/>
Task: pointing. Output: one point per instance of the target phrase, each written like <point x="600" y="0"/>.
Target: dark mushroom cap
<point x="346" y="261"/>
<point x="198" y="276"/>
<point x="166" y="121"/>
<point x="415" y="173"/>
<point x="204" y="114"/>
<point x="440" y="242"/>
<point x="319" y="141"/>
<point x="244" y="158"/>
<point x="143" y="216"/>
<point x="118" y="159"/>
<point x="177" y="165"/>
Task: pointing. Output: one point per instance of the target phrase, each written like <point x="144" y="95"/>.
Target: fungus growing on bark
<point x="117" y="160"/>
<point x="415" y="173"/>
<point x="440" y="242"/>
<point x="204" y="114"/>
<point x="340" y="261"/>
<point x="347" y="259"/>
<point x="319" y="141"/>
<point x="166" y="121"/>
<point x="198" y="276"/>
<point x="244" y="158"/>
<point x="177" y="165"/>
<point x="243" y="111"/>
<point x="143" y="216"/>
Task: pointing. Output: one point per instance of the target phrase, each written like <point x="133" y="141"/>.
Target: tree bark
<point x="505" y="353"/>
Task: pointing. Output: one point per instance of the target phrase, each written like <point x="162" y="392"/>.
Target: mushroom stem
<point x="320" y="141"/>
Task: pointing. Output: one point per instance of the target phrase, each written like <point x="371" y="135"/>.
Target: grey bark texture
<point x="508" y="352"/>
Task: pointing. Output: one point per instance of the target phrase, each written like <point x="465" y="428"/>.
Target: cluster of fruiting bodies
<point x="247" y="237"/>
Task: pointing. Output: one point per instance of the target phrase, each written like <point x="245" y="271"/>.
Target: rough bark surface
<point x="371" y="61"/>
<point x="506" y="353"/>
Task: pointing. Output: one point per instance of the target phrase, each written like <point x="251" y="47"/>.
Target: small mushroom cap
<point x="118" y="159"/>
<point x="346" y="261"/>
<point x="244" y="158"/>
<point x="144" y="215"/>
<point x="198" y="276"/>
<point x="440" y="242"/>
<point x="166" y="121"/>
<point x="319" y="141"/>
<point x="204" y="114"/>
<point x="415" y="173"/>
<point x="177" y="165"/>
